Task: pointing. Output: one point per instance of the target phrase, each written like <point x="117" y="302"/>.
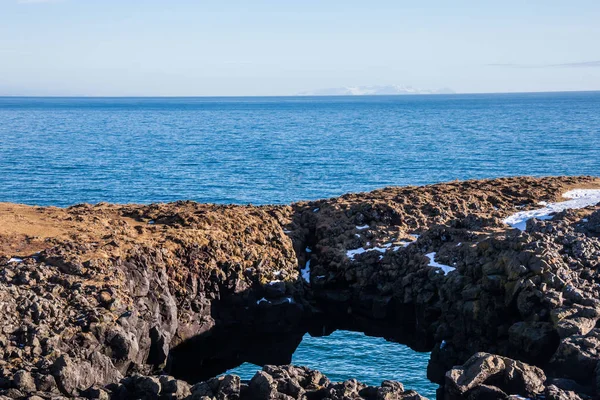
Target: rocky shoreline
<point x="132" y="301"/>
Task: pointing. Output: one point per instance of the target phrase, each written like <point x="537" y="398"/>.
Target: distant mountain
<point x="373" y="90"/>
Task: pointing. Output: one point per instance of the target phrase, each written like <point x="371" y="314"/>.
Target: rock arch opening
<point x="353" y="355"/>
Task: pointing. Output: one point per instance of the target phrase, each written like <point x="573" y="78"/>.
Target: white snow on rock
<point x="262" y="300"/>
<point x="306" y="272"/>
<point x="432" y="263"/>
<point x="308" y="250"/>
<point x="362" y="227"/>
<point x="15" y="259"/>
<point x="580" y="198"/>
<point x="385" y="247"/>
<point x="316" y="209"/>
<point x="351" y="253"/>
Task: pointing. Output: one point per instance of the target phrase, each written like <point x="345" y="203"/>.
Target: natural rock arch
<point x="119" y="290"/>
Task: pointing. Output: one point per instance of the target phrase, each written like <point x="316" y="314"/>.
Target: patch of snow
<point x="321" y="277"/>
<point x="432" y="263"/>
<point x="405" y="243"/>
<point x="580" y="198"/>
<point x="316" y="209"/>
<point x="151" y="222"/>
<point x="308" y="250"/>
<point x="262" y="300"/>
<point x="351" y="253"/>
<point x="274" y="282"/>
<point x="306" y="272"/>
<point x="15" y="259"/>
<point x="380" y="258"/>
<point x="276" y="273"/>
<point x="354" y="252"/>
<point x="287" y="231"/>
<point x="443" y="344"/>
<point x="290" y="300"/>
<point x="362" y="227"/>
<point x="357" y="235"/>
<point x="584" y="220"/>
<point x="459" y="243"/>
<point x="379" y="249"/>
<point x="542" y="203"/>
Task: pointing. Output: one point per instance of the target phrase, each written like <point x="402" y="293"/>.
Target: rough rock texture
<point x="107" y="299"/>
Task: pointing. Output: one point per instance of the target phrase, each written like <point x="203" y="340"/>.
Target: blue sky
<point x="262" y="47"/>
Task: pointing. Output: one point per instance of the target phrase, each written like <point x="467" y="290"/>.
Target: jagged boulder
<point x="487" y="374"/>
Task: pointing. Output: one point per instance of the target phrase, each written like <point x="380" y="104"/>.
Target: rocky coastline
<point x="157" y="301"/>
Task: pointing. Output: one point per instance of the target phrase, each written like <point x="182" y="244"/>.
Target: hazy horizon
<point x="289" y="95"/>
<point x="75" y="48"/>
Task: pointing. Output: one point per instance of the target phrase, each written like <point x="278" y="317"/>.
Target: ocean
<point x="266" y="150"/>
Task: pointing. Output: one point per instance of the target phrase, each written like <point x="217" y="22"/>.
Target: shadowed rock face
<point x="97" y="295"/>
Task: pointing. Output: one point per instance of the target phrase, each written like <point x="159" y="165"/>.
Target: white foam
<point x="306" y="272"/>
<point x="432" y="263"/>
<point x="580" y="198"/>
<point x="362" y="227"/>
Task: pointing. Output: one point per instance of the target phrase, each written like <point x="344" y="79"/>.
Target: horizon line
<point x="293" y="95"/>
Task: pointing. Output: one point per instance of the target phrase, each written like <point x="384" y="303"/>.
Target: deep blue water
<point x="61" y="151"/>
<point x="273" y="150"/>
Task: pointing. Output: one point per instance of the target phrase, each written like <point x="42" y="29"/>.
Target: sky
<point x="280" y="47"/>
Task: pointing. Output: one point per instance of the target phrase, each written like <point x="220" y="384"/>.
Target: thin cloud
<point x="583" y="64"/>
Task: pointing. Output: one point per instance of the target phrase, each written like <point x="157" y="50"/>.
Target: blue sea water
<point x="61" y="151"/>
